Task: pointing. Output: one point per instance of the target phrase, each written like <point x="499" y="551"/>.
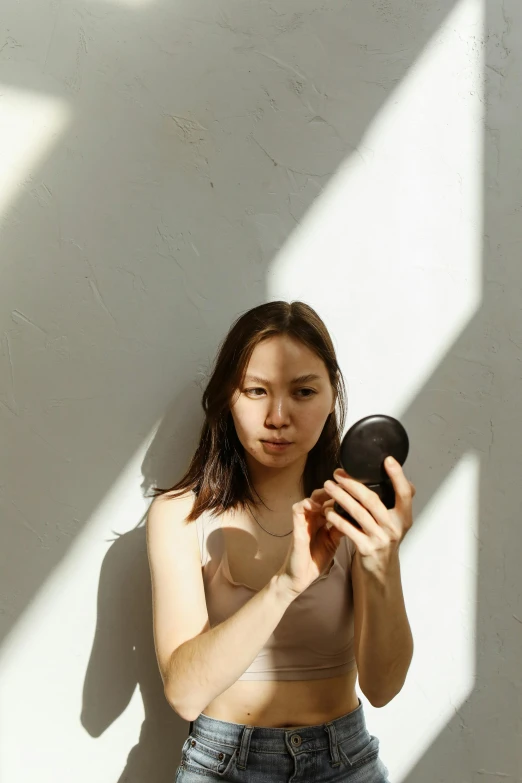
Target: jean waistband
<point x="275" y="740"/>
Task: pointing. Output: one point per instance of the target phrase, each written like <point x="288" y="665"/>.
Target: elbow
<point x="170" y="700"/>
<point x="177" y="708"/>
<point x="380" y="698"/>
<point x="187" y="713"/>
<point x="189" y="716"/>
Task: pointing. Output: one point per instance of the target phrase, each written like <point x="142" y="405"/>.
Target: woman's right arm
<point x="209" y="664"/>
<point x="197" y="663"/>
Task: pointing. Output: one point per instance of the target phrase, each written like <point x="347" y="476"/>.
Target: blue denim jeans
<point x="341" y="750"/>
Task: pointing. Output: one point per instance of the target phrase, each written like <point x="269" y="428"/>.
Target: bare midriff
<point x="288" y="704"/>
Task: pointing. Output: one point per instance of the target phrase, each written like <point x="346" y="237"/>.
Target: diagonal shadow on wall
<point x="154" y="269"/>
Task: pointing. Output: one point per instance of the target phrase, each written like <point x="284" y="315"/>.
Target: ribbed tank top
<point x="314" y="638"/>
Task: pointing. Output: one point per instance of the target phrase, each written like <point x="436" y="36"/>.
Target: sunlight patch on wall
<point x="30" y="124"/>
<point x="439" y="566"/>
<point x="390" y="254"/>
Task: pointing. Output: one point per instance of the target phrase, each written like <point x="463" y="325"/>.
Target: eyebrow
<point x="300" y="379"/>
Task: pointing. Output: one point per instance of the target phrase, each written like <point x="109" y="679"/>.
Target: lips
<point x="278" y="442"/>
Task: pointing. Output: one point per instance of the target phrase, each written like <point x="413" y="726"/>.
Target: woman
<point x="270" y="606"/>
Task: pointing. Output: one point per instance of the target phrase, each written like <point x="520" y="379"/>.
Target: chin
<point x="261" y="456"/>
<point x="276" y="460"/>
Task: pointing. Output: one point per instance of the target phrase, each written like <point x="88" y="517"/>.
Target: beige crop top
<point x="314" y="638"/>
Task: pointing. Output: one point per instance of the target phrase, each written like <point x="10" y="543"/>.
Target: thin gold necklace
<point x="277" y="535"/>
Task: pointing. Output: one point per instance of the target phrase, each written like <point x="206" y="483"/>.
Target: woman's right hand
<point x="314" y="543"/>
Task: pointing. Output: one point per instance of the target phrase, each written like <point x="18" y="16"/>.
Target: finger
<point x="404" y="490"/>
<point x="305" y="503"/>
<point x="359" y="538"/>
<point x="366" y="517"/>
<point x="300" y="508"/>
<point x="320" y="495"/>
<point x="326" y="505"/>
<point x="367" y="498"/>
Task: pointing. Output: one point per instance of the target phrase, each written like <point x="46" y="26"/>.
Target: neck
<point x="279" y="488"/>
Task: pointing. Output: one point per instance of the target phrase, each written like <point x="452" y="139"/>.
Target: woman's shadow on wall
<point x="123" y="656"/>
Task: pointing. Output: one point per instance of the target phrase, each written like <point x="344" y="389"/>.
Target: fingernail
<point x="390" y="461"/>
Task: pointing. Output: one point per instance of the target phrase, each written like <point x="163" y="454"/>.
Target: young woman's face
<point x="277" y="402"/>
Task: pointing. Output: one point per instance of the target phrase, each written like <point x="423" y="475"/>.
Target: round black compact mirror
<point x="363" y="451"/>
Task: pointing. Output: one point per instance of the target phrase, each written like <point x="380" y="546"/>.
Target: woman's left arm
<point x="383" y="641"/>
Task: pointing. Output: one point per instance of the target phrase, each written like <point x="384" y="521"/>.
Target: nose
<point x="278" y="412"/>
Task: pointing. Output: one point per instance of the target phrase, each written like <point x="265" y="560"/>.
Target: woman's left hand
<point x="383" y="529"/>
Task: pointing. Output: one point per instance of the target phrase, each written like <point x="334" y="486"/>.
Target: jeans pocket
<point x="360" y="749"/>
<point x="204" y="756"/>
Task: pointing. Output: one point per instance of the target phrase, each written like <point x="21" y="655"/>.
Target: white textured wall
<point x="166" y="166"/>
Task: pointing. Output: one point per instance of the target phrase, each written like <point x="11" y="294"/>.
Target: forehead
<point x="285" y="356"/>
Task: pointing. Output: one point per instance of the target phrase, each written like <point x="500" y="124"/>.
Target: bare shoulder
<point x="170" y="510"/>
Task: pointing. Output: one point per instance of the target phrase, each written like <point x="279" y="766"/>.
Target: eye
<point x="312" y="392"/>
<point x="249" y="391"/>
<point x="260" y="389"/>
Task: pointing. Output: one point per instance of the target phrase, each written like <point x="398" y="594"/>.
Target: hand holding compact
<point x="363" y="451"/>
<point x="371" y="500"/>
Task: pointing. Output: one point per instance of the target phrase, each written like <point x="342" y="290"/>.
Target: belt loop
<point x="334" y="749"/>
<point x="244" y="747"/>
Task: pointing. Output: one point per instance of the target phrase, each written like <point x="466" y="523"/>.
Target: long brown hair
<point x="218" y="472"/>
